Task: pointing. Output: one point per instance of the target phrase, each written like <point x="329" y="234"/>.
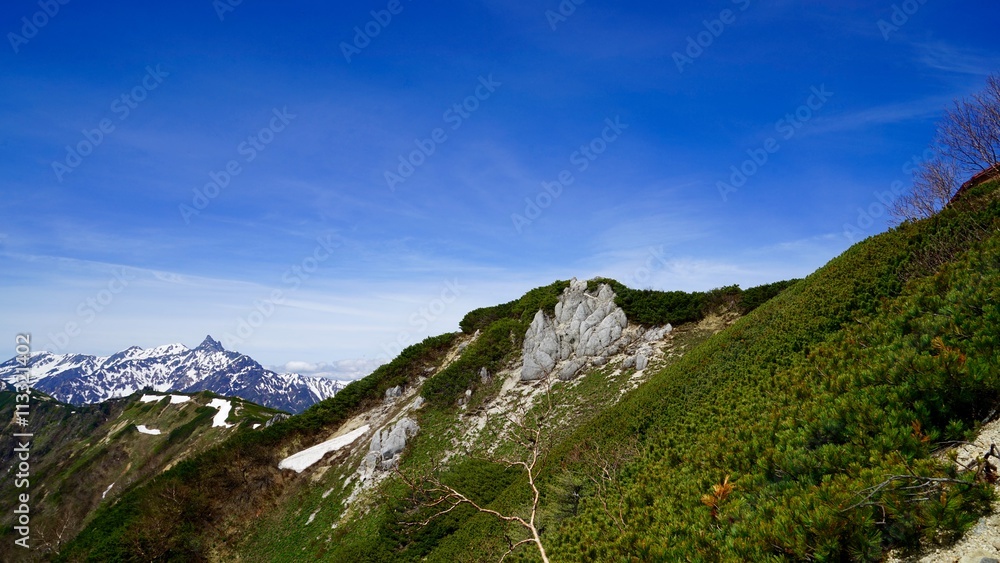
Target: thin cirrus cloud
<point x="452" y="220"/>
<point x="956" y="59"/>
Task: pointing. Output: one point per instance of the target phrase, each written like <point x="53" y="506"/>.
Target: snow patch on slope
<point x="224" y="407"/>
<point x="174" y="399"/>
<point x="301" y="461"/>
<point x="151" y="431"/>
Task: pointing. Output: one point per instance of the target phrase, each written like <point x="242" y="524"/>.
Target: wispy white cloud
<point x="340" y="369"/>
<point x="947" y="57"/>
<point x="885" y="114"/>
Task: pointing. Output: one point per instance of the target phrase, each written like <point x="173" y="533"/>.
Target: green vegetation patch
<point x="779" y="438"/>
<point x="496" y="345"/>
<point x="523" y="309"/>
<point x="650" y="307"/>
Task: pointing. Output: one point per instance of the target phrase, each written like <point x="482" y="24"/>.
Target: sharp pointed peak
<point x="211" y="344"/>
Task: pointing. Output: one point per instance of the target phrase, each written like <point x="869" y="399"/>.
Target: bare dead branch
<point x="430" y="492"/>
<point x="921" y="484"/>
<point x="968" y="138"/>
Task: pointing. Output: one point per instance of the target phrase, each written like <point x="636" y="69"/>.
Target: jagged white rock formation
<point x="585" y="327"/>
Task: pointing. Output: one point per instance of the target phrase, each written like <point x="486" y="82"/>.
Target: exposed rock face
<point x="464" y="399"/>
<point x="388" y="444"/>
<point x="584" y="326"/>
<point x="571" y="367"/>
<point x="393" y="392"/>
<point x="641" y="361"/>
<point x="276" y="419"/>
<point x="541" y="348"/>
<point x="585" y="329"/>
<point x="654" y="334"/>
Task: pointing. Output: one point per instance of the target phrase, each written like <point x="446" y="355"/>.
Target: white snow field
<point x="300" y="461"/>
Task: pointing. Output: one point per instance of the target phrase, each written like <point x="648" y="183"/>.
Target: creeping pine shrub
<point x="492" y="350"/>
<point x="824" y="409"/>
<point x="523" y="309"/>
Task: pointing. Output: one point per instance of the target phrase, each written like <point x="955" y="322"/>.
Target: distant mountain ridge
<point x="85" y="379"/>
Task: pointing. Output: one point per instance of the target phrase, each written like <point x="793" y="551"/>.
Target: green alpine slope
<point x="804" y="420"/>
<point x="82" y="457"/>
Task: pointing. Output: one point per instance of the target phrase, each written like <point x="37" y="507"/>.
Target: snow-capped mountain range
<point x="82" y="379"/>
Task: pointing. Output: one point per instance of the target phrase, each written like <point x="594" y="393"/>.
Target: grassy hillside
<point x="83" y="457"/>
<point x="856" y="374"/>
<point x="212" y="496"/>
<point x="805" y="431"/>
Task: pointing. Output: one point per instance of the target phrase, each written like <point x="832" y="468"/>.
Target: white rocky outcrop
<point x="586" y="327"/>
<point x="388" y="444"/>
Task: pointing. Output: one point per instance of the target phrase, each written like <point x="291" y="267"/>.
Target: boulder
<point x="371" y="463"/>
<point x="393" y="392"/>
<point x="387" y="444"/>
<point x="276" y="419"/>
<point x="570" y="368"/>
<point x="654" y="334"/>
<point x="641" y="361"/>
<point x="642" y="357"/>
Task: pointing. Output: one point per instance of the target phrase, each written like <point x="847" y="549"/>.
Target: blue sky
<point x="193" y="168"/>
